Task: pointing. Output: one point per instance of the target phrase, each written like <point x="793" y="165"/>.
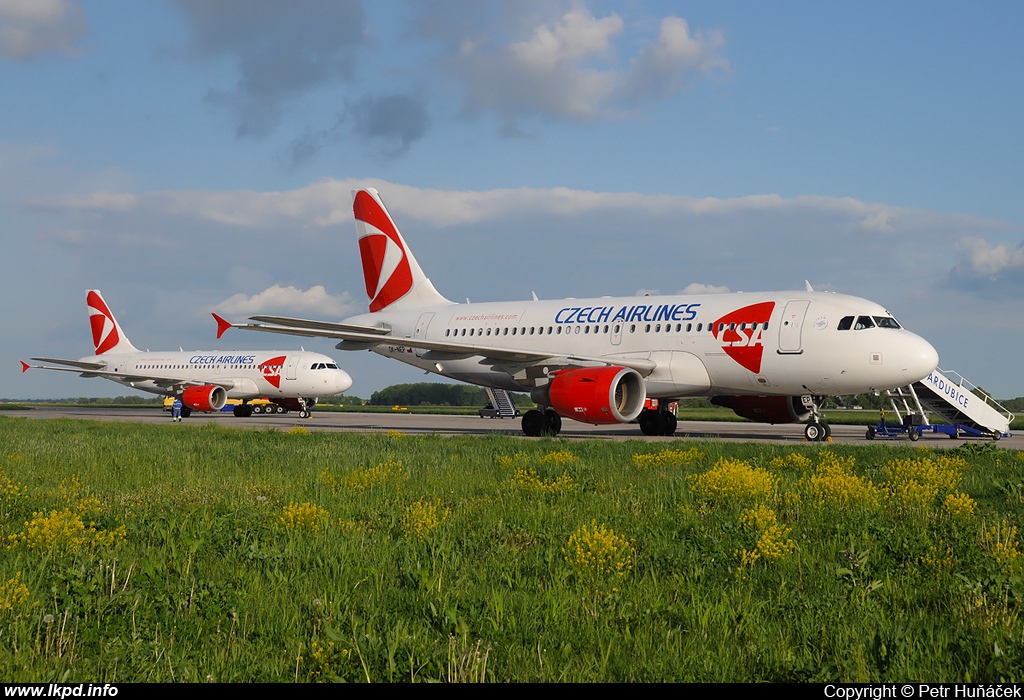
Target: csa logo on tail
<point x="741" y="331"/>
<point x="104" y="330"/>
<point x="271" y="370"/>
<point x="385" y="264"/>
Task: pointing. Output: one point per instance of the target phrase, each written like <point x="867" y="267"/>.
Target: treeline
<point x="99" y="401"/>
<point x="433" y="394"/>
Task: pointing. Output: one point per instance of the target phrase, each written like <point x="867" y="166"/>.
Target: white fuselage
<point x="243" y="374"/>
<point x="772" y="343"/>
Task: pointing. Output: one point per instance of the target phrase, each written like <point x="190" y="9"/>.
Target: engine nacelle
<point x="767" y="409"/>
<point x="597" y="395"/>
<point x="204" y="398"/>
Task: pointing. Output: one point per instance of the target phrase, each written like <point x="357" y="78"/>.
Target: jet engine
<point x="204" y="398"/>
<point x="596" y="395"/>
<point x="767" y="409"/>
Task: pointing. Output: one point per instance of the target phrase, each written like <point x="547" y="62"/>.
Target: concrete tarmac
<point x="417" y="424"/>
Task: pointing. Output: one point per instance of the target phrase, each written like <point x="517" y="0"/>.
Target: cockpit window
<point x="846" y="323"/>
<point x="863" y="322"/>
<point x="886" y="322"/>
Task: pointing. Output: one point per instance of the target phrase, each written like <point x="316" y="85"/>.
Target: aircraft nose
<point x="919" y="359"/>
<point x="342" y="382"/>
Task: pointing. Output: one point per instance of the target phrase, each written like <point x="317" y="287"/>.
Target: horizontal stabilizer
<point x="320" y="325"/>
<point x="71" y="363"/>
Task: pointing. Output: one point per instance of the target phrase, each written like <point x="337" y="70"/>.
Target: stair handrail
<point x="977" y="391"/>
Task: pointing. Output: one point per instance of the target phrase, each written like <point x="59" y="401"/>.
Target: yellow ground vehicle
<point x="259" y="406"/>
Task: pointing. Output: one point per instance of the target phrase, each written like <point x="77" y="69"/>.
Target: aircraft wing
<point x="364" y="337"/>
<point x="89" y="369"/>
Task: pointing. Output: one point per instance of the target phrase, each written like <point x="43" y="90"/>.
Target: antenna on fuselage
<point x="535" y="296"/>
<point x="809" y="287"/>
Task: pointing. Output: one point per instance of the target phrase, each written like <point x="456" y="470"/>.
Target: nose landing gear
<point x="816" y="431"/>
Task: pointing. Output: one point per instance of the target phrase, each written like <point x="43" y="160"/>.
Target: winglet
<point x="222" y="325"/>
<point x="25" y="366"/>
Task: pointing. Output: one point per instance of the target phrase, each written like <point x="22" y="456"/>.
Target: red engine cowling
<point x="204" y="398"/>
<point x="766" y="409"/>
<point x="598" y="395"/>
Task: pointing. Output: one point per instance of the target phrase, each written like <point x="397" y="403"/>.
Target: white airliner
<point x="769" y="356"/>
<point x="204" y="380"/>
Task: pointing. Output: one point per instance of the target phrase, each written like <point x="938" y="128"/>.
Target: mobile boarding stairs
<point x="967" y="410"/>
<point x="501" y="405"/>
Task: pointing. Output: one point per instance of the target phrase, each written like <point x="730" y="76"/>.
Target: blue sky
<point x="188" y="156"/>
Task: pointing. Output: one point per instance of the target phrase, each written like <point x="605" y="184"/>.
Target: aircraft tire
<point x="303" y="413"/>
<point x="813" y="432"/>
<point x="650" y="422"/>
<point x="828" y="431"/>
<point x="186" y="411"/>
<point x="533" y="423"/>
<point x="553" y="423"/>
<point x="671" y="423"/>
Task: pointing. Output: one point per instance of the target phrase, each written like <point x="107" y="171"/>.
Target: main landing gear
<point x="657" y="422"/>
<point x="545" y="423"/>
<point x="242" y="410"/>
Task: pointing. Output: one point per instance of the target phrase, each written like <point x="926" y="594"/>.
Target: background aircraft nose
<point x="342" y="382"/>
<point x="919" y="359"/>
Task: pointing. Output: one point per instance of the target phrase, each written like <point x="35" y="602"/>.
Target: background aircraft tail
<point x="394" y="280"/>
<point x="107" y="335"/>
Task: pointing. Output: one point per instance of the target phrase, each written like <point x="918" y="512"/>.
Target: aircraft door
<point x="421" y="330"/>
<point x="291" y="367"/>
<point x="791" y="327"/>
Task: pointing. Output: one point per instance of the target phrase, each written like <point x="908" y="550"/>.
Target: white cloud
<point x="662" y="68"/>
<point x="989" y="270"/>
<point x="577" y="37"/>
<point x="315" y="302"/>
<point x="34" y="27"/>
<point x="698" y="288"/>
<point x="569" y="67"/>
<point x="328" y="203"/>
<point x="978" y="258"/>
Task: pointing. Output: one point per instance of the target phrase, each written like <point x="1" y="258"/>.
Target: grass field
<point x="137" y="552"/>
